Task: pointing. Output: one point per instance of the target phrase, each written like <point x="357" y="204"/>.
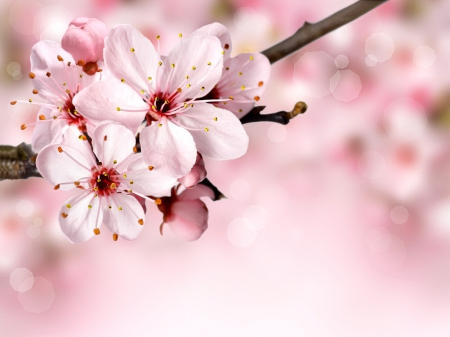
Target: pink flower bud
<point x="186" y="214"/>
<point x="84" y="39"/>
<point x="197" y="174"/>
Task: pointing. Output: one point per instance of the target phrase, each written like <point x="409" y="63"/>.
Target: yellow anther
<point x="188" y="85"/>
<point x="159" y="125"/>
<point x="158" y="201"/>
<point x="120" y="208"/>
<point x="240" y="73"/>
<point x="124" y="175"/>
<point x="54" y="117"/>
<point x="115" y="162"/>
<point x="113" y="186"/>
<point x="160" y="63"/>
<point x="149" y="78"/>
<point x="158" y="37"/>
<point x="154" y="107"/>
<point x="35" y="92"/>
<point x="122" y="80"/>
<point x="132" y="49"/>
<point x="150" y="168"/>
<point x="215" y="119"/>
<point x="240" y="110"/>
<point x="223" y="52"/>
<point x="68" y="205"/>
<point x="187" y="77"/>
<point x="67" y="91"/>
<point x="173" y="65"/>
<point x="251" y="58"/>
<point x="131" y="182"/>
<point x="76" y="183"/>
<point x="243" y="87"/>
<point x="206" y="129"/>
<point x="194" y="67"/>
<point x="89" y="206"/>
<point x="64" y="83"/>
<point x="231" y="97"/>
<point x="209" y="63"/>
<point x="203" y="88"/>
<point x="30" y="100"/>
<point x="82" y="137"/>
<point x="167" y="101"/>
<point x="99" y="180"/>
<point x="81" y="75"/>
<point x="180" y="35"/>
<point x="118" y="108"/>
<point x="109" y="206"/>
<point x="95" y="188"/>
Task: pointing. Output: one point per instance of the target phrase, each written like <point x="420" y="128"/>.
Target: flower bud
<point x="197" y="174"/>
<point x="84" y="39"/>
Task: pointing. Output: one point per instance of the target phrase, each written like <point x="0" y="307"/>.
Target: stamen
<point x="115" y="237"/>
<point x="96" y="231"/>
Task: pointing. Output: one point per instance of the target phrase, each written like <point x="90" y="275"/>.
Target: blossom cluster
<point x="124" y="124"/>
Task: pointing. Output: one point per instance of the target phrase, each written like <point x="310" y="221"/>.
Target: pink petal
<point x="101" y="100"/>
<point x="123" y="222"/>
<point x="221" y="135"/>
<point x="197" y="174"/>
<point x="188" y="219"/>
<point x="71" y="137"/>
<point x="252" y="74"/>
<point x="78" y="221"/>
<point x="112" y="142"/>
<point x="149" y="182"/>
<point x="45" y="133"/>
<point x="196" y="52"/>
<point x="168" y="148"/>
<point x="57" y="167"/>
<point x="196" y="193"/>
<point x="44" y="59"/>
<point x="130" y="55"/>
<point x="221" y="32"/>
<point x="84" y="39"/>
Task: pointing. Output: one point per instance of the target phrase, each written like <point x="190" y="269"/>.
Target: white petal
<point x="196" y="52"/>
<point x="221" y="135"/>
<point x="168" y="148"/>
<point x="221" y="32"/>
<point x="245" y="80"/>
<point x="57" y="167"/>
<point x="46" y="132"/>
<point x="112" y="142"/>
<point x="100" y="102"/>
<point x="123" y="222"/>
<point x="149" y="182"/>
<point x="130" y="55"/>
<point x="78" y="221"/>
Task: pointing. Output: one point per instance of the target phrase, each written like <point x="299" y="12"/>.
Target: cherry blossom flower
<point x="186" y="214"/>
<point x="56" y="79"/>
<point x="197" y="174"/>
<point x="243" y="77"/>
<point x="108" y="188"/>
<point x="165" y="92"/>
<point x="84" y="39"/>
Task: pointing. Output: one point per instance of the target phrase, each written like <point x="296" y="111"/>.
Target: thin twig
<point x="312" y="31"/>
<point x="280" y="117"/>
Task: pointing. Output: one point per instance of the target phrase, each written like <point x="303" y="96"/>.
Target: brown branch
<point x="280" y="117"/>
<point x="312" y="31"/>
<point x="17" y="162"/>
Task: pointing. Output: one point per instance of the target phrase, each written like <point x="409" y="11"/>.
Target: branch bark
<point x="17" y="162"/>
<point x="312" y="31"/>
<point x="280" y="117"/>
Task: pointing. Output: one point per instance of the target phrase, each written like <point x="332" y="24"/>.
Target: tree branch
<point x="311" y="32"/>
<point x="280" y="117"/>
<point x="17" y="162"/>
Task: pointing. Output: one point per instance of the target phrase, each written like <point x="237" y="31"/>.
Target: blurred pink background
<point x="337" y="224"/>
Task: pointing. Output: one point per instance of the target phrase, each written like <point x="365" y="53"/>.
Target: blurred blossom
<point x="404" y="119"/>
<point x="371" y="164"/>
<point x="274" y="199"/>
<point x="399" y="215"/>
<point x="345" y="85"/>
<point x="51" y="23"/>
<point x="39" y="298"/>
<point x="391" y="257"/>
<point x="380" y="47"/>
<point x="21" y="15"/>
<point x="241" y="232"/>
<point x="33" y="231"/>
<point x="313" y="72"/>
<point x="240" y="189"/>
<point x="25" y="208"/>
<point x="424" y="57"/>
<point x="258" y="215"/>
<point x="21" y="279"/>
<point x="14" y="69"/>
<point x="341" y="61"/>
